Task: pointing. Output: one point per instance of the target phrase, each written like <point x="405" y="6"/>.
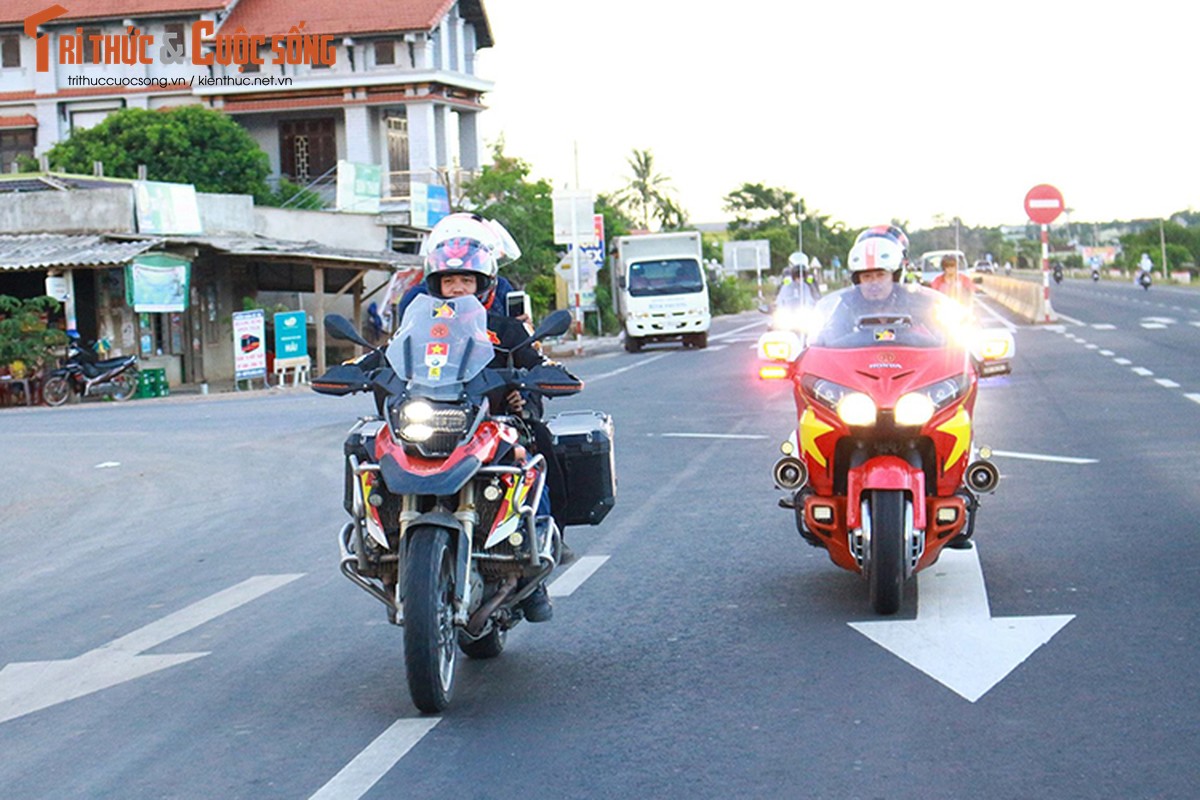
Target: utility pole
<point x="1162" y="243"/>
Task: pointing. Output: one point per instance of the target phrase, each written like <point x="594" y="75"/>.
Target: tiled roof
<point x="19" y="121"/>
<point x="40" y="251"/>
<point x="15" y="11"/>
<point x="271" y="17"/>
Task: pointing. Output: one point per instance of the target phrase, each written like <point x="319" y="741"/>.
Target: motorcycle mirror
<point x="558" y="323"/>
<point x="339" y="327"/>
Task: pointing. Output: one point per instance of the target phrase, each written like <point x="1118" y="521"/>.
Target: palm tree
<point x="646" y="194"/>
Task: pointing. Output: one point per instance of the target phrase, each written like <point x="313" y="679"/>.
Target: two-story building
<point x="396" y="87"/>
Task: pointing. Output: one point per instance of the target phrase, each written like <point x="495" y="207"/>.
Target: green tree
<point x="775" y="214"/>
<point x="25" y="335"/>
<point x="647" y="197"/>
<point x="187" y="144"/>
<point x="503" y="191"/>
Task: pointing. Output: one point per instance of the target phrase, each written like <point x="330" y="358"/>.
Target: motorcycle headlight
<point x="856" y="408"/>
<point x="917" y="408"/>
<point x="914" y="408"/>
<point x="779" y="346"/>
<point x="432" y="429"/>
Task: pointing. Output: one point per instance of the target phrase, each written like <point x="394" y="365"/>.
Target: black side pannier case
<point x="583" y="444"/>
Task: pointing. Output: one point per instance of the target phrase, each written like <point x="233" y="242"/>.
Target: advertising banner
<point x="249" y="347"/>
<point x="291" y="335"/>
<point x="157" y="283"/>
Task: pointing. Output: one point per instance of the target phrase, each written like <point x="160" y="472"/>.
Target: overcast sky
<point x="868" y="110"/>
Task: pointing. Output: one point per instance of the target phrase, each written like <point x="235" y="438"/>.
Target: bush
<point x="25" y="335"/>
<point x="729" y="295"/>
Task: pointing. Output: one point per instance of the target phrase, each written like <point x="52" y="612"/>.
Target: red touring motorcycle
<point x="443" y="493"/>
<point x="882" y="471"/>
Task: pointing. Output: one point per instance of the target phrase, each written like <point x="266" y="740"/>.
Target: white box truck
<point x="660" y="290"/>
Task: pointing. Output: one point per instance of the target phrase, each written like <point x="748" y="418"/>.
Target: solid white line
<point x="1166" y="382"/>
<point x="712" y="348"/>
<point x="199" y="613"/>
<point x="1195" y="398"/>
<point x="1071" y="320"/>
<point x="759" y="324"/>
<point x="1038" y="457"/>
<point x="618" y="371"/>
<point x="1145" y="373"/>
<point x="1124" y="362"/>
<point x="564" y="585"/>
<point x="997" y="316"/>
<point x="712" y="436"/>
<point x="357" y="777"/>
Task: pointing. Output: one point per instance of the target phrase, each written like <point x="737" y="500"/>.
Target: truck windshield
<point x="668" y="276"/>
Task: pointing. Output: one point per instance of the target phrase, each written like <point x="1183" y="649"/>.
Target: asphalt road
<point x="709" y="655"/>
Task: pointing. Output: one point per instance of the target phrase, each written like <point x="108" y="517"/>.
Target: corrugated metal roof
<point x="44" y="250"/>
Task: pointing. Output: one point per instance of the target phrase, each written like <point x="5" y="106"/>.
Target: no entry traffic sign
<point x="1043" y="203"/>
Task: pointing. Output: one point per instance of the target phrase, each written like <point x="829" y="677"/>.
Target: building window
<point x="385" y="52"/>
<point x="176" y="32"/>
<point x="10" y="50"/>
<point x="307" y="148"/>
<point x="14" y="144"/>
<point x="89" y="45"/>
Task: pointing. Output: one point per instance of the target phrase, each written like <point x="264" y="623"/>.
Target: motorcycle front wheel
<point x="886" y="577"/>
<point x="430" y="654"/>
<point x="125" y="385"/>
<point x="56" y="391"/>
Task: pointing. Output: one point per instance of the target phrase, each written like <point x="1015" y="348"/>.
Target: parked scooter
<point x="85" y="375"/>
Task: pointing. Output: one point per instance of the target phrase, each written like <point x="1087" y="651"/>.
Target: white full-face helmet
<point x="467" y="244"/>
<point x="876" y="252"/>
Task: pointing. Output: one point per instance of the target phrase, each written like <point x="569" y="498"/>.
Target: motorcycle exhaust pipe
<point x="982" y="476"/>
<point x="789" y="473"/>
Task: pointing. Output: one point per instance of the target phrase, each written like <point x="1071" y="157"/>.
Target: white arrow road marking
<point x="564" y="585"/>
<point x="357" y="777"/>
<point x="31" y="686"/>
<point x="1040" y="457"/>
<point x="954" y="639"/>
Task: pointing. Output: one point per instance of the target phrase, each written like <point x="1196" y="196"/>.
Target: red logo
<point x="43" y="41"/>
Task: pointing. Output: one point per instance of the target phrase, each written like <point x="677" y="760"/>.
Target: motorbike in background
<point x="1144" y="280"/>
<point x="84" y="374"/>
<point x="1058" y="274"/>
<point x="1095" y="275"/>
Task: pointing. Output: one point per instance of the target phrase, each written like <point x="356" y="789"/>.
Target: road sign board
<point x="1043" y="203"/>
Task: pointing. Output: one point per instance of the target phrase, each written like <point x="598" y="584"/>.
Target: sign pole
<point x="1046" y="271"/>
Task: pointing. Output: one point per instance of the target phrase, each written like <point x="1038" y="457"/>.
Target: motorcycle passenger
<point x="954" y="284"/>
<point x="462" y="257"/>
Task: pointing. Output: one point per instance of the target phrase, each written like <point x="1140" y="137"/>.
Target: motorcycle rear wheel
<point x="56" y="391"/>
<point x="126" y="384"/>
<point x="429" y="634"/>
<point x="886" y="578"/>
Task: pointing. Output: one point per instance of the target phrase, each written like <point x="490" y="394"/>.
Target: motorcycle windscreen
<point x="441" y="344"/>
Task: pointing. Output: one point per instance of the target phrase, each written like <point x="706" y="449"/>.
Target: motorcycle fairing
<point x="885" y="472"/>
<point x="409" y="474"/>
